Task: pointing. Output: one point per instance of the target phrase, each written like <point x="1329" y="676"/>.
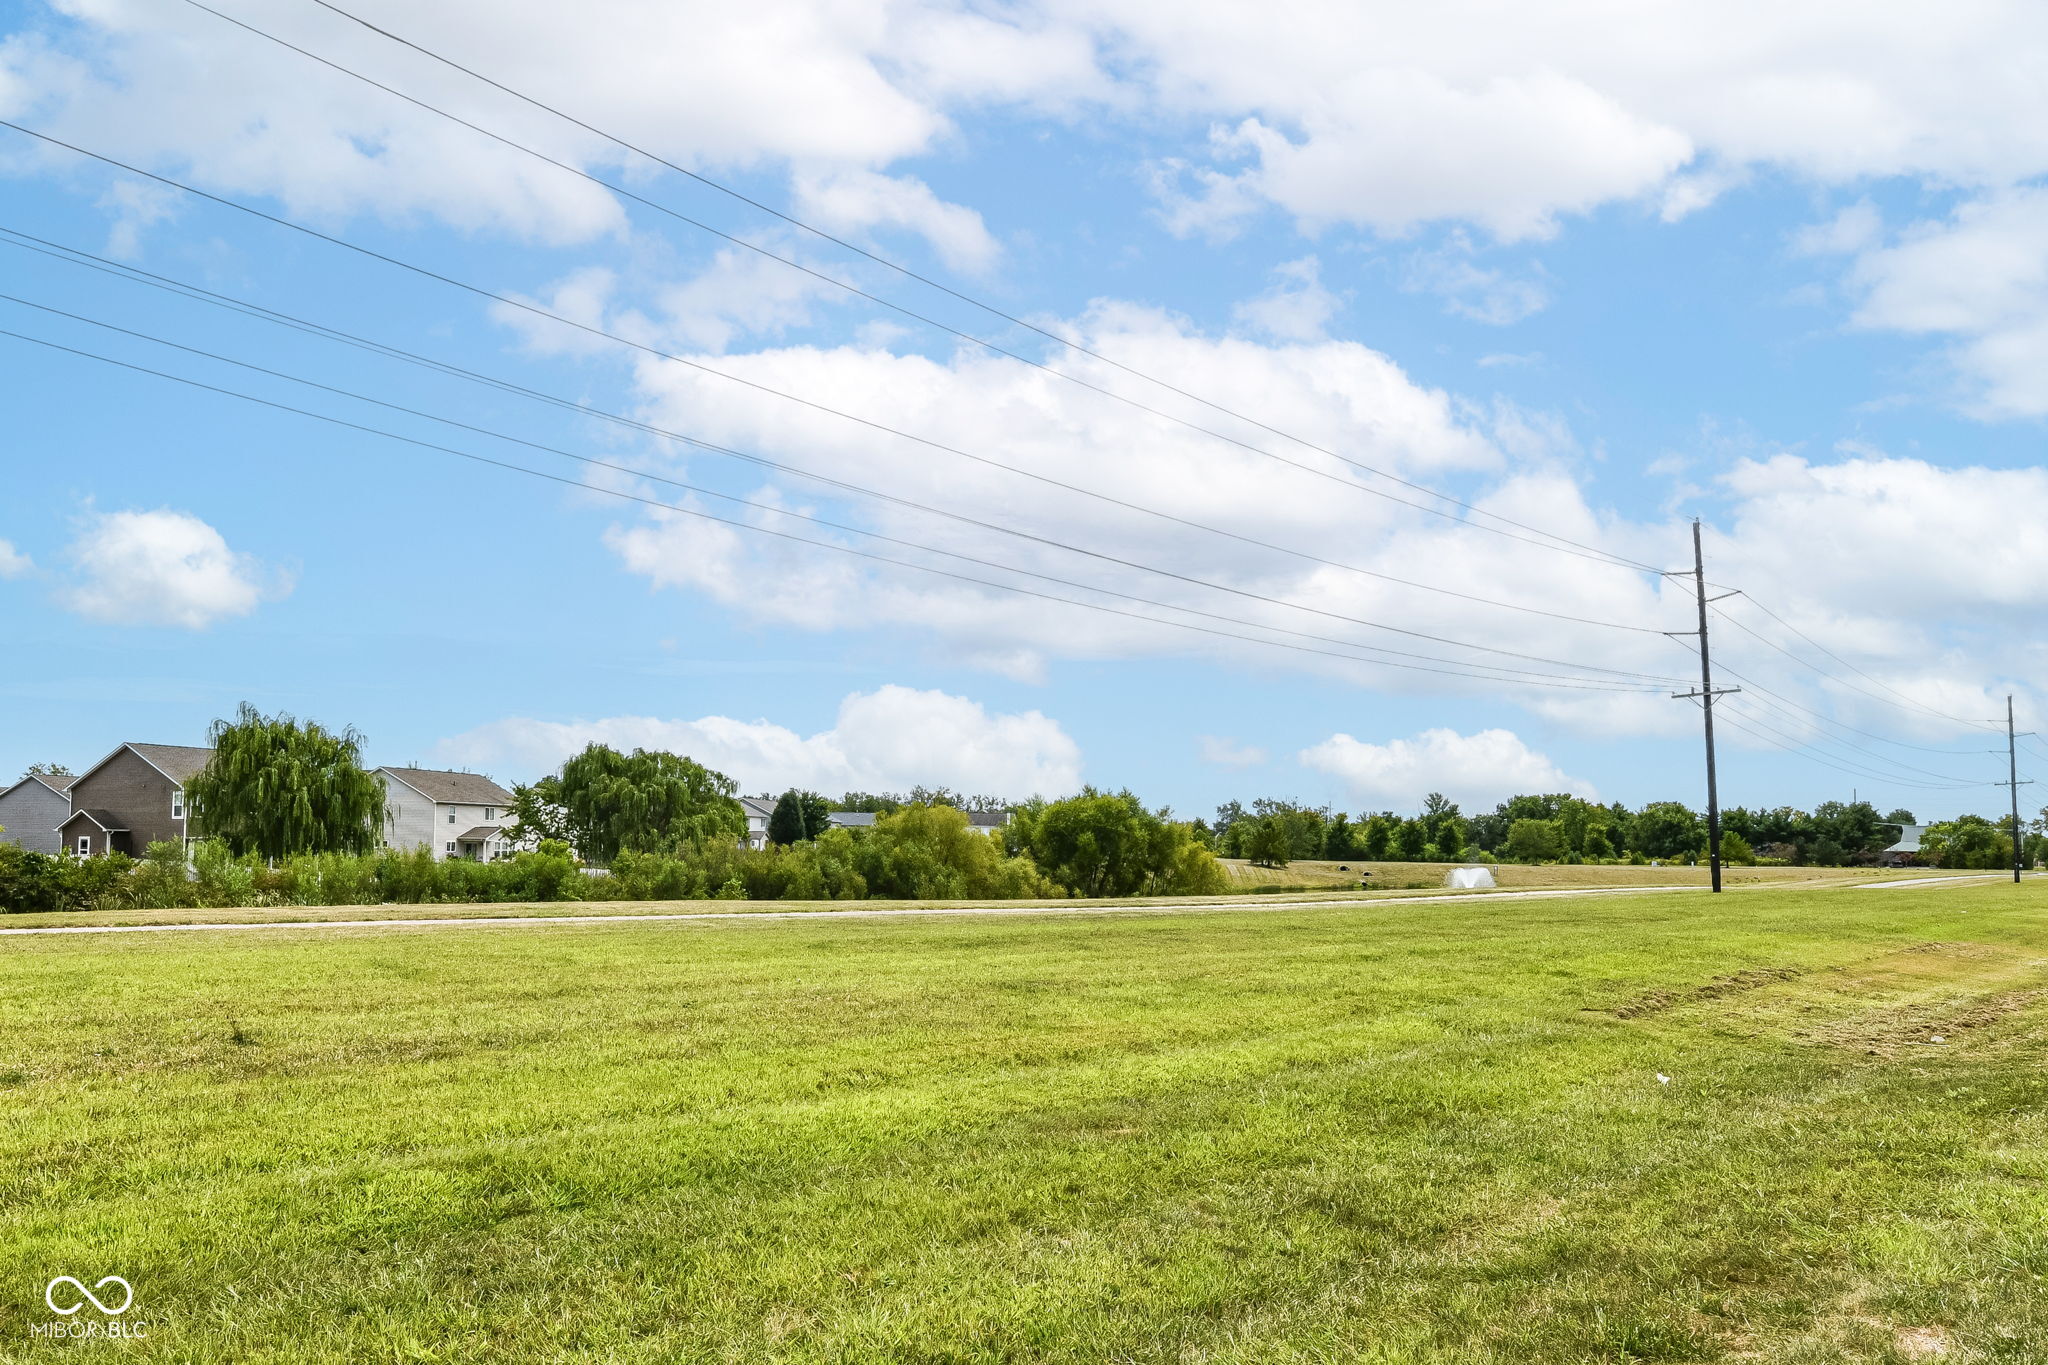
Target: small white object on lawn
<point x="1468" y="878"/>
<point x="1939" y="1039"/>
<point x="1663" y="1079"/>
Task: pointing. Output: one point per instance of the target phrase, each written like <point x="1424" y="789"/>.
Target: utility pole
<point x="2012" y="766"/>
<point x="1706" y="696"/>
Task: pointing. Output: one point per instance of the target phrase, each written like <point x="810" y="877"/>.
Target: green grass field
<point x="1421" y="1132"/>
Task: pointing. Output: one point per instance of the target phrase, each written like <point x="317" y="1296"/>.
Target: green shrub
<point x="28" y="881"/>
<point x="220" y="880"/>
<point x="159" y="882"/>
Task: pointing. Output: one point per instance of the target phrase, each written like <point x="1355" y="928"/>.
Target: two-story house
<point x="758" y="809"/>
<point x="132" y="798"/>
<point x="31" y="810"/>
<point x="458" y="815"/>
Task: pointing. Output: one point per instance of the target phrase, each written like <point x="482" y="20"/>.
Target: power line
<point x="624" y="469"/>
<point x="1790" y="744"/>
<point x="1910" y="703"/>
<point x="843" y="549"/>
<point x="1816" y="742"/>
<point x="1859" y="672"/>
<point x="1784" y="708"/>
<point x="185" y="289"/>
<point x="1792" y="713"/>
<point x="1807" y="711"/>
<point x="655" y="351"/>
<point x="1808" y="663"/>
<point x="1581" y="551"/>
<point x="1588" y="551"/>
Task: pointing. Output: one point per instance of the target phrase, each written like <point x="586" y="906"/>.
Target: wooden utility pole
<point x="1706" y="695"/>
<point x="2012" y="766"/>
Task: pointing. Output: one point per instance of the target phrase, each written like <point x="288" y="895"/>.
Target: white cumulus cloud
<point x="163" y="568"/>
<point x="1476" y="770"/>
<point x="890" y="739"/>
<point x="13" y="563"/>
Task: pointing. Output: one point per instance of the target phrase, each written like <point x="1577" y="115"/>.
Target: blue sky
<point x="1597" y="278"/>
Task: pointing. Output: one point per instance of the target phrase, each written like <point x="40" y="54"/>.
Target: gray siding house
<point x="132" y="798"/>
<point x="458" y="815"/>
<point x="31" y="810"/>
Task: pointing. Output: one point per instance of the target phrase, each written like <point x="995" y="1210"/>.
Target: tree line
<point x="1559" y="827"/>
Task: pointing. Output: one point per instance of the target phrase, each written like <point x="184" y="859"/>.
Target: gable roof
<point x="106" y="820"/>
<point x="465" y="789"/>
<point x="758" y="805"/>
<point x="179" y="762"/>
<point x="56" y="782"/>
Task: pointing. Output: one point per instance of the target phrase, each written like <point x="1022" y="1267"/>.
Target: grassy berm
<point x="1410" y="1132"/>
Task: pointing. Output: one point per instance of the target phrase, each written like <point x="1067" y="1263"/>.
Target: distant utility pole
<point x="1706" y="695"/>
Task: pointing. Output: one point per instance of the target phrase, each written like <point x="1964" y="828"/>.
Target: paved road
<point x="520" y="921"/>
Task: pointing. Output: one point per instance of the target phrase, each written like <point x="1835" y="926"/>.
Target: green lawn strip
<point x="1306" y="1136"/>
<point x="1396" y="880"/>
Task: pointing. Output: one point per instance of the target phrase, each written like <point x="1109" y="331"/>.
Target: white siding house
<point x="458" y="815"/>
<point x="758" y="809"/>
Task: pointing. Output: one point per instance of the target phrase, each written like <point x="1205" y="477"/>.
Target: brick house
<point x="132" y="798"/>
<point x="31" y="810"/>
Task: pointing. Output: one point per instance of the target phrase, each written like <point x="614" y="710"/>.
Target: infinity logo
<point x="127" y="1295"/>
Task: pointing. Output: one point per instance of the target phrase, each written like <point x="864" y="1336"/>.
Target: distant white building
<point x="758" y="809"/>
<point x="458" y="815"/>
<point x="1906" y="850"/>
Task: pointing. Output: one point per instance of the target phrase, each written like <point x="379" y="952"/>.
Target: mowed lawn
<point x="1421" y="1132"/>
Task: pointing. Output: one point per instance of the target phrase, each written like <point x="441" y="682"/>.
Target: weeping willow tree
<point x="277" y="785"/>
<point x="647" y="801"/>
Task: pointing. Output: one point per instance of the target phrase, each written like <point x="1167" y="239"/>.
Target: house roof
<point x="851" y="819"/>
<point x="56" y="782"/>
<point x="1909" y="839"/>
<point x="105" y="819"/>
<point x="759" y="805"/>
<point x="988" y="817"/>
<point x="179" y="762"/>
<point x="466" y="789"/>
<point x="480" y="833"/>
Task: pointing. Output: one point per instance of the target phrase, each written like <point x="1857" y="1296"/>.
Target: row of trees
<point x="1561" y="827"/>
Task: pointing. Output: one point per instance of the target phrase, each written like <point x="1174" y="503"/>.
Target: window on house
<point x="451" y="846"/>
<point x="177" y="803"/>
<point x="85" y="845"/>
<point x="451" y="815"/>
<point x="490" y="812"/>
